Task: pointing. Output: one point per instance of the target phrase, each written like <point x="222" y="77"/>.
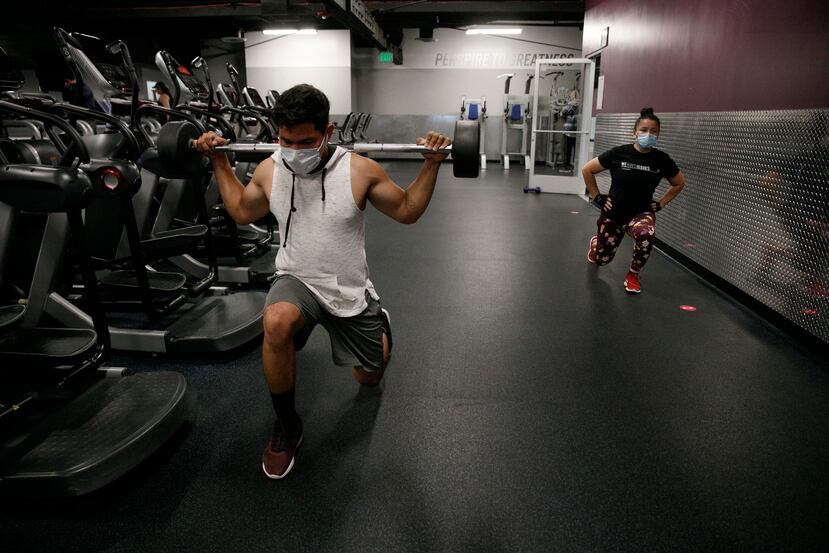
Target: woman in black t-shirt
<point x="636" y="170"/>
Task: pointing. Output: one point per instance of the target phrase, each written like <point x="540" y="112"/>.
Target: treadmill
<point x="68" y="424"/>
<point x="214" y="318"/>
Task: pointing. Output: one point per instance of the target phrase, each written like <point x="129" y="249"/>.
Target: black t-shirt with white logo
<point x="634" y="177"/>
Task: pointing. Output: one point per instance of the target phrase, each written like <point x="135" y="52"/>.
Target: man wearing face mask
<point x="629" y="208"/>
<point x="318" y="194"/>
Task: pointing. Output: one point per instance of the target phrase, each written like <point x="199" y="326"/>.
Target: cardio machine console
<point x="183" y="78"/>
<point x="193" y="84"/>
<point x="253" y="98"/>
<point x="227" y="95"/>
<point x="88" y="55"/>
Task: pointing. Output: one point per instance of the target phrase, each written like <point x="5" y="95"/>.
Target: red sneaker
<point x="278" y="458"/>
<point x="591" y="252"/>
<point x="632" y="283"/>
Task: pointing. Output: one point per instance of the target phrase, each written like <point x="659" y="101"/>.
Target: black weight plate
<point x="465" y="149"/>
<point x="174" y="150"/>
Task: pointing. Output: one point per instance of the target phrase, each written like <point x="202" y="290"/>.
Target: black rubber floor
<point x="531" y="405"/>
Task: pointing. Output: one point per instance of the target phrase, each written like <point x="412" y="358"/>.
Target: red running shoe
<point x="632" y="283"/>
<point x="591" y="252"/>
<point x="278" y="459"/>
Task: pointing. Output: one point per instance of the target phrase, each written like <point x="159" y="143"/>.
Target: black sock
<point x="284" y="407"/>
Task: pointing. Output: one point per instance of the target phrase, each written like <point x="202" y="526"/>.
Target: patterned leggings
<point x="641" y="228"/>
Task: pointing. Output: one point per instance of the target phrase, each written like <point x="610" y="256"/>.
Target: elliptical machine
<point x="212" y="318"/>
<point x="68" y="424"/>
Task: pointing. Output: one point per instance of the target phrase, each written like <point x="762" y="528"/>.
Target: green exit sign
<point x="386" y="57"/>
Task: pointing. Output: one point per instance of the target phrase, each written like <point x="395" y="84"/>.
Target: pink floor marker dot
<point x="808" y="311"/>
<point x="689" y="245"/>
<point x="687" y="307"/>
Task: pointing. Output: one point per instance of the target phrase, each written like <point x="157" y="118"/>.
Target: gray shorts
<point x="356" y="340"/>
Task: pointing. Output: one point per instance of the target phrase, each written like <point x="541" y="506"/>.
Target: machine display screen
<point x="192" y="83"/>
<point x="230" y="93"/>
<point x="255" y="97"/>
<point x="109" y="65"/>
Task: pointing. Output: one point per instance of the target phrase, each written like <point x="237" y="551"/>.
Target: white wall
<point x="322" y="60"/>
<point x="435" y="75"/>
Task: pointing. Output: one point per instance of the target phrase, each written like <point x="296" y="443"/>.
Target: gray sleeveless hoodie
<point x="323" y="233"/>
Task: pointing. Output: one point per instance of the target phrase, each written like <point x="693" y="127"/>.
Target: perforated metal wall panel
<point x="755" y="209"/>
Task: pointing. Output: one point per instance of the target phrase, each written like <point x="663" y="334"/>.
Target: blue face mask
<point x="646" y="140"/>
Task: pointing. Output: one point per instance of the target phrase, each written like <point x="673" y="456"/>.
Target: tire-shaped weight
<point x="174" y="150"/>
<point x="465" y="149"/>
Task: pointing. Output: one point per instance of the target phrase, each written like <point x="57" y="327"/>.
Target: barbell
<point x="177" y="154"/>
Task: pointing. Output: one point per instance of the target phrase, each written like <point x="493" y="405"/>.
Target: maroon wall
<point x="711" y="55"/>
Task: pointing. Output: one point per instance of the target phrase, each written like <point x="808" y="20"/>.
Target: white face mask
<point x="304" y="160"/>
